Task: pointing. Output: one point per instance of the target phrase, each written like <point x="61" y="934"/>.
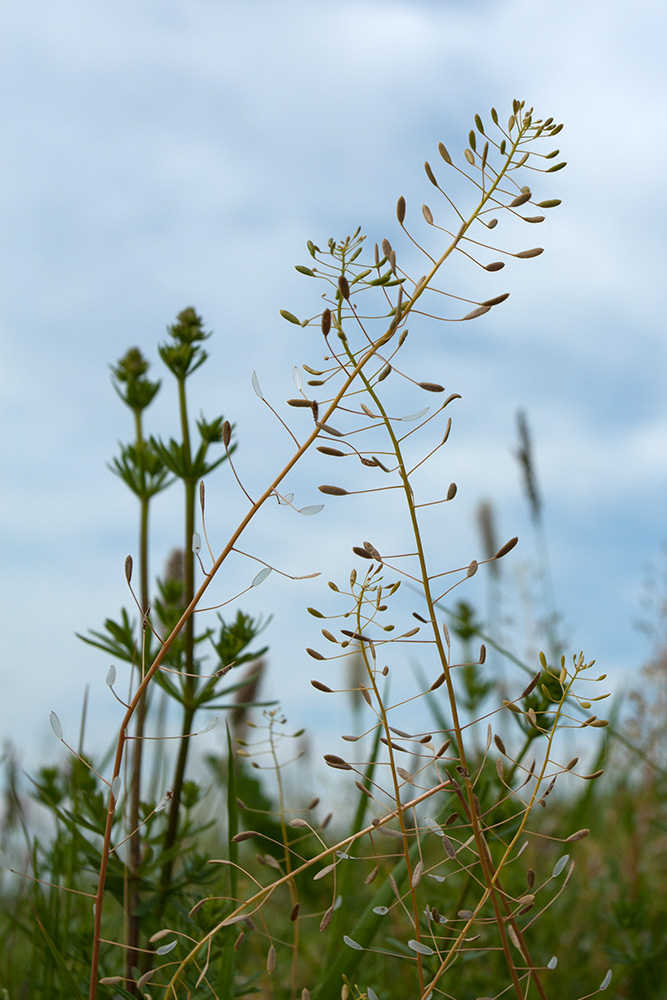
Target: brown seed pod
<point x="400" y="209"/>
<point x="334" y="491"/>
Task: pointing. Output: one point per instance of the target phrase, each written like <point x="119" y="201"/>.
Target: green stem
<point x="189" y="683"/>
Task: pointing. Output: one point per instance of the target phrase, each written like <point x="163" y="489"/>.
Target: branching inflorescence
<point x="439" y="826"/>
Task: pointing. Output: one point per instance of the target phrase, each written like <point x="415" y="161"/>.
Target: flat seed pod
<point x="431" y="386"/>
<point x="290" y="317"/>
<point x="443" y="153"/>
<point x="430" y="174"/>
<point x="496" y="265"/>
<point x="535" y="252"/>
<point x="334" y="491"/>
<point x="496" y="300"/>
<point x="255" y="385"/>
<point x="507" y="547"/>
<point x="357" y="549"/>
<point x="333" y="760"/>
<point x="400" y="209"/>
<point x="428" y="215"/>
<point x="477" y="312"/>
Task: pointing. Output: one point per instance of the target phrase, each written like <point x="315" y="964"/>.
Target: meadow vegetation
<point x="476" y="856"/>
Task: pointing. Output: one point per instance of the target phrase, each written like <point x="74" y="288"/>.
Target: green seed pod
<point x="430" y="174"/>
<point x="442" y="149"/>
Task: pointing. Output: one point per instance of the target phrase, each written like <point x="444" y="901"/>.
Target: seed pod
<point x="499" y="743"/>
<point x="478" y="123"/>
<point x="520" y="199"/>
<point x="226" y="433"/>
<point x="344" y="287"/>
<point x="430" y="174"/>
<point x="431" y="386"/>
<point x="330" y="430"/>
<point x="535" y="252"/>
<point x="128" y="568"/>
<point x="326" y="326"/>
<point x="497" y="300"/>
<point x="469" y="155"/>
<point x="531" y="686"/>
<point x="428" y="215"/>
<point x="384" y="373"/>
<point x="373" y="551"/>
<point x="334" y="491"/>
<point x="477" y="312"/>
<point x="330" y="451"/>
<point x="494" y="116"/>
<point x="549" y="203"/>
<point x="319" y="686"/>
<point x="400" y="209"/>
<point x="315" y="655"/>
<point x="300" y="402"/>
<point x="507" y="547"/>
<point x="333" y="760"/>
<point x="496" y="265"/>
<point x="290" y="317"/>
<point x="443" y="153"/>
<point x="579" y="835"/>
<point x="357" y="549"/>
<point x="451" y="492"/>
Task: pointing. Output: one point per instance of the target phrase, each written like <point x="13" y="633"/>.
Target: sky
<point x="164" y="154"/>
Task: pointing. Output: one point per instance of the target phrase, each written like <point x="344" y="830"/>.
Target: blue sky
<point x="162" y="154"/>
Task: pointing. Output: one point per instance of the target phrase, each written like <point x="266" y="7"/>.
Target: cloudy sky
<point x="159" y="154"/>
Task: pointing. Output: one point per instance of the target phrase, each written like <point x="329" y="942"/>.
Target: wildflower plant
<point x="429" y="892"/>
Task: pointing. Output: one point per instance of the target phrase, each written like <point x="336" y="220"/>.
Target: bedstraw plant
<point x="436" y="885"/>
